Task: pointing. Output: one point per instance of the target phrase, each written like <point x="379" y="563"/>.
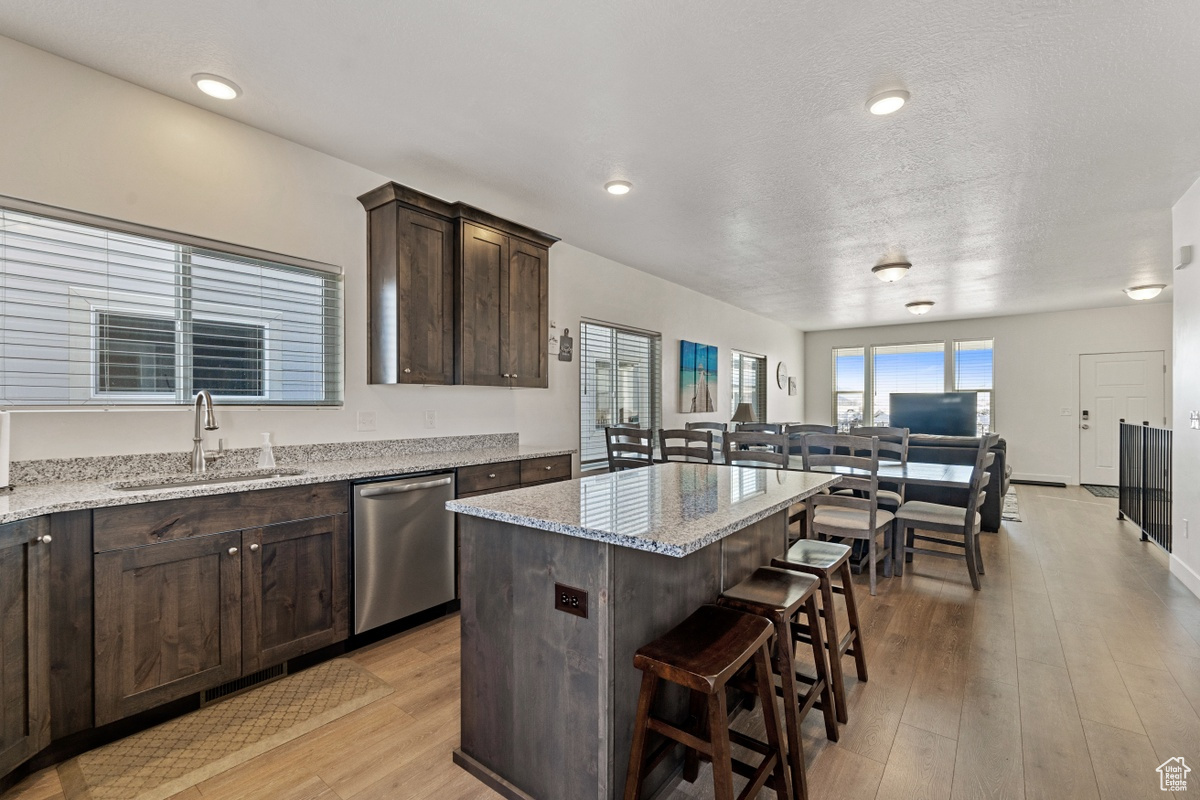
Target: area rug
<point x="1010" y="511"/>
<point x="1102" y="491"/>
<point x="176" y="755"/>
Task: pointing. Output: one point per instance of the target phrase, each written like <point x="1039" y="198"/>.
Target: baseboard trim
<point x="1189" y="576"/>
<point x="1031" y="482"/>
<point x="1042" y="479"/>
<point x="489" y="778"/>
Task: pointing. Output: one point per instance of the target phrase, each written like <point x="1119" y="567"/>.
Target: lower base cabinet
<point x="176" y="618"/>
<point x="24" y="641"/>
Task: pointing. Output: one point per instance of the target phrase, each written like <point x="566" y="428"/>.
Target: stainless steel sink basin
<point x="172" y="481"/>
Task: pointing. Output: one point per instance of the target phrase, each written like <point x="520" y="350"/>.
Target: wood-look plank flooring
<point x="1073" y="674"/>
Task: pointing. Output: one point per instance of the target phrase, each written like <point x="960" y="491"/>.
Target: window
<point x="620" y="375"/>
<point x="905" y="368"/>
<point x="93" y="315"/>
<point x="973" y="370"/>
<point x="749" y="383"/>
<point x="849" y="374"/>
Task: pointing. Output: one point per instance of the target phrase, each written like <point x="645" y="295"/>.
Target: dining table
<point x="953" y="476"/>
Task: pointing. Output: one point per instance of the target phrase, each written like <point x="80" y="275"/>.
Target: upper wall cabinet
<point x="457" y="295"/>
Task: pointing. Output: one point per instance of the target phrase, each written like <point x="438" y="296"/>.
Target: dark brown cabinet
<point x="411" y="296"/>
<point x="168" y="622"/>
<point x="24" y="641"/>
<point x="295" y="590"/>
<point x="475" y="313"/>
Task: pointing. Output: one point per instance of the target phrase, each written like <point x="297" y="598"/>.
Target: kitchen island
<point x="549" y="693"/>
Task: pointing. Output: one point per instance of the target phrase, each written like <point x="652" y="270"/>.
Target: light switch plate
<point x="366" y="420"/>
<point x="1066" y="412"/>
<point x="430" y="419"/>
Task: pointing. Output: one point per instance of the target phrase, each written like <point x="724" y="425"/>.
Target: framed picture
<point x="792" y="387"/>
<point x="697" y="378"/>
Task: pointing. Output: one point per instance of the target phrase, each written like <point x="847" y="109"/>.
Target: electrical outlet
<point x="366" y="420"/>
<point x="430" y="419"/>
<point x="570" y="600"/>
<point x="1066" y="412"/>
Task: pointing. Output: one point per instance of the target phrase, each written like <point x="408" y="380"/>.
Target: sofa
<point x="961" y="450"/>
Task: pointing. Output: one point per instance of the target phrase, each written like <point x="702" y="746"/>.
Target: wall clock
<point x="781" y="376"/>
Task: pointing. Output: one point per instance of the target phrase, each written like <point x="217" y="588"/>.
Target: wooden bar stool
<point x="823" y="560"/>
<point x="702" y="654"/>
<point x="781" y="595"/>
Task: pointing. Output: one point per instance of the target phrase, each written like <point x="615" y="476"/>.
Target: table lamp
<point x="744" y="413"/>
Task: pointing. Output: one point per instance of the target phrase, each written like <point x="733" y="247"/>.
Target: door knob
<point x="233" y="551"/>
<point x="1085" y="426"/>
<point x="254" y="548"/>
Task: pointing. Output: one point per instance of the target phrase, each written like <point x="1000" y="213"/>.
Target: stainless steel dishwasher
<point x="403" y="547"/>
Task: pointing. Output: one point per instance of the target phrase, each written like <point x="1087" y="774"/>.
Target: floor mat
<point x="1010" y="511"/>
<point x="176" y="755"/>
<point x="1102" y="491"/>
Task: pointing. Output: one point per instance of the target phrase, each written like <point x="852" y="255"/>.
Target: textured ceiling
<point x="1033" y="170"/>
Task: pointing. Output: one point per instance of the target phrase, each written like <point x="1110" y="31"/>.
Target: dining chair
<point x="628" y="447"/>
<point x="808" y="427"/>
<point x="718" y="430"/>
<point x="893" y="446"/>
<point x="852" y="516"/>
<point x="688" y="445"/>
<point x="760" y="427"/>
<point x="755" y="449"/>
<point x="949" y="520"/>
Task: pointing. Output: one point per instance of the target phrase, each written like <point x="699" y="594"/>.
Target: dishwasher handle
<point x="393" y="488"/>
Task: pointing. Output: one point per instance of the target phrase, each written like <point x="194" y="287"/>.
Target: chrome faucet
<point x="200" y="459"/>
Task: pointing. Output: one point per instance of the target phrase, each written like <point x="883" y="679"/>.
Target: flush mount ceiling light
<point x="919" y="307"/>
<point x="618" y="187"/>
<point x="1145" y="292"/>
<point x="887" y="102"/>
<point x="892" y="271"/>
<point x="216" y="86"/>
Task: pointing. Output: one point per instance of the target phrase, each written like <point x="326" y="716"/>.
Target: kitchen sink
<point x="172" y="481"/>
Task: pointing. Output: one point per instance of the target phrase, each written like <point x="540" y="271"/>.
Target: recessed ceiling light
<point x="216" y="86"/>
<point x="891" y="271"/>
<point x="887" y="102"/>
<point x="919" y="307"/>
<point x="618" y="187"/>
<point x="1145" y="292"/>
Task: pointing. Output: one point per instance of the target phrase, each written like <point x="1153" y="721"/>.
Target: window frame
<point x="862" y="394"/>
<point x="940" y="347"/>
<point x="991" y="393"/>
<point x="760" y="388"/>
<point x="654" y="386"/>
<point x="90" y="303"/>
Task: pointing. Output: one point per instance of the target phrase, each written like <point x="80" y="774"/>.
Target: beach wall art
<point x="697" y="377"/>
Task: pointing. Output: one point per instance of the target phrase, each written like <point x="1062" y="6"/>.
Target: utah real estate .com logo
<point x="1173" y="775"/>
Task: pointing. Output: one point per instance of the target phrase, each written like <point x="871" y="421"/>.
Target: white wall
<point x="1185" y="227"/>
<point x="79" y="139"/>
<point x="1036" y="372"/>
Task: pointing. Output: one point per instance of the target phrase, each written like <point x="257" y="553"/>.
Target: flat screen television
<point x="941" y="414"/>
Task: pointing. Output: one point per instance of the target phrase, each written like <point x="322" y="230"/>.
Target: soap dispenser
<point x="266" y="457"/>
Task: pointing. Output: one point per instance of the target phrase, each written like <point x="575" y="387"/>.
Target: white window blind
<point x="620" y="382"/>
<point x="973" y="372"/>
<point x="749" y="383"/>
<point x="90" y="315"/>
<point x="905" y="368"/>
<point x="849" y="376"/>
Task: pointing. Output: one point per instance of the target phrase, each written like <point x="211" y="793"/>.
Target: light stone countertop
<point x="51" y="497"/>
<point x="673" y="509"/>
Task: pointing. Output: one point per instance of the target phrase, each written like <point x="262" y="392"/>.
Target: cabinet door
<point x="483" y="294"/>
<point x="296" y="593"/>
<point x="412" y="298"/>
<point x="24" y="642"/>
<point x="525" y="334"/>
<point x="168" y="622"/>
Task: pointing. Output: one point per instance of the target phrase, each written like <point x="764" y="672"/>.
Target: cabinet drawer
<point x="146" y="523"/>
<point x="548" y="468"/>
<point x="488" y="477"/>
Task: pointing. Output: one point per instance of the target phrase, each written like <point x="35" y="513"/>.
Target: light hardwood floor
<point x="1073" y="674"/>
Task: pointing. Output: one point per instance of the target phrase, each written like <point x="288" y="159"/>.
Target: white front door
<point x="1115" y="387"/>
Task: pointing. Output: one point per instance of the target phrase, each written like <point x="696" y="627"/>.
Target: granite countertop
<point x="51" y="497"/>
<point x="673" y="509"/>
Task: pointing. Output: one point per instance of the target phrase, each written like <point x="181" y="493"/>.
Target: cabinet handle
<point x="507" y="375"/>
<point x="549" y="468"/>
<point x="233" y="551"/>
<point x="44" y="538"/>
<point x="491" y="474"/>
<point x="515" y="375"/>
<point x="407" y="370"/>
<point x="254" y="548"/>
